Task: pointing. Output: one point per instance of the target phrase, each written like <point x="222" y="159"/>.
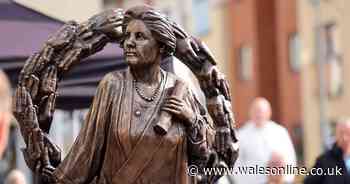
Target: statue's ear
<point x="162" y="49"/>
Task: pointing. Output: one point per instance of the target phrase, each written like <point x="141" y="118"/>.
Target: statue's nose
<point x="130" y="42"/>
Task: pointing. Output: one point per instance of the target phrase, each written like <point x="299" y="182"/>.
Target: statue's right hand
<point x="109" y="23"/>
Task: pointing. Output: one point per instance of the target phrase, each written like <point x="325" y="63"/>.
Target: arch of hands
<point x="36" y="92"/>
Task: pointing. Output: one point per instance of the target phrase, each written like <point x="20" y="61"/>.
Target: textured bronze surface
<point x="117" y="143"/>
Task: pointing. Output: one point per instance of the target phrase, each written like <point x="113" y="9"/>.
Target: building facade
<point x="323" y="31"/>
<point x="266" y="60"/>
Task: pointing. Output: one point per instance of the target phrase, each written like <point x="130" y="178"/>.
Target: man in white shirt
<point x="263" y="143"/>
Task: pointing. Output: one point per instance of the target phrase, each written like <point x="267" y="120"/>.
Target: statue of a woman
<point x="144" y="125"/>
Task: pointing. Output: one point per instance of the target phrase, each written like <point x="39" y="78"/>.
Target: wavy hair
<point x="157" y="23"/>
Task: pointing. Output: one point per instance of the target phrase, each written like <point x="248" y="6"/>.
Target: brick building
<point x="265" y="60"/>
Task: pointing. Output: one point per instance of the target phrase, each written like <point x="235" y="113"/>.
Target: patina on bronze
<point x="117" y="143"/>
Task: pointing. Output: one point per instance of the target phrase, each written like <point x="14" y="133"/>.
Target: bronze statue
<point x="144" y="125"/>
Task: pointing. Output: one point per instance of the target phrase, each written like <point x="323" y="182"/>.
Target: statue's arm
<point x="84" y="160"/>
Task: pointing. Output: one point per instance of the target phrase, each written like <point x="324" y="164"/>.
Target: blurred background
<point x="291" y="52"/>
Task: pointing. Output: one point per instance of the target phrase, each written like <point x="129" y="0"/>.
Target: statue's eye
<point x="139" y="36"/>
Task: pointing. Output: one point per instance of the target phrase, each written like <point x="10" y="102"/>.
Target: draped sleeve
<point x="83" y="162"/>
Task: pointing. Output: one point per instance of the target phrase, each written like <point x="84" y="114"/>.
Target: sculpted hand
<point x="222" y="139"/>
<point x="63" y="37"/>
<point x="49" y="80"/>
<point x="204" y="52"/>
<point x="25" y="114"/>
<point x="47" y="102"/>
<point x="34" y="150"/>
<point x="186" y="51"/>
<point x="225" y="145"/>
<point x="179" y="109"/>
<point x="53" y="152"/>
<point x="221" y="83"/>
<point x="24" y="110"/>
<point x="109" y="23"/>
<point x="193" y="52"/>
<point x="47" y="170"/>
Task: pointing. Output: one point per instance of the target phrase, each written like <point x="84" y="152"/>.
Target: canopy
<point x="23" y="31"/>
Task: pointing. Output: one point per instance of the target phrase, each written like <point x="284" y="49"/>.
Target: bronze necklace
<point x="141" y="93"/>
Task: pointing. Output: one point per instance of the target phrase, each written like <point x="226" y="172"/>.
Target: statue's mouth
<point x="130" y="54"/>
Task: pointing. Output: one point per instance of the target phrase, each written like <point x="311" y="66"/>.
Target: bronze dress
<point x="117" y="143"/>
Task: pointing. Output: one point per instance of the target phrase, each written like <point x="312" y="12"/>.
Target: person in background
<point x="264" y="143"/>
<point x="276" y="161"/>
<point x="5" y="111"/>
<point x="15" y="177"/>
<point x="337" y="157"/>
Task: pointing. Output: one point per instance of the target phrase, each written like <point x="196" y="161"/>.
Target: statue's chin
<point x="136" y="63"/>
<point x="133" y="61"/>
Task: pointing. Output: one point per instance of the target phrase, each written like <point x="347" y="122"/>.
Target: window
<point x="294" y="52"/>
<point x="333" y="60"/>
<point x="245" y="63"/>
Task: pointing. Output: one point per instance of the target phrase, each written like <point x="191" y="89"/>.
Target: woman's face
<point x="140" y="47"/>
